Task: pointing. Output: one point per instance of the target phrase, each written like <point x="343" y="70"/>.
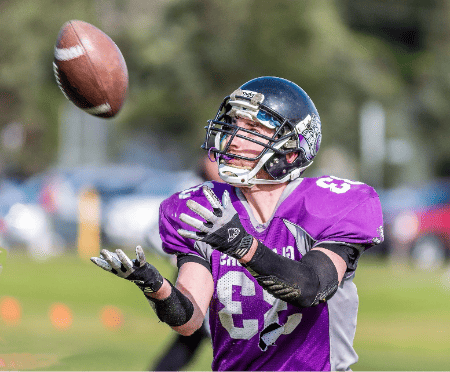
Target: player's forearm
<point x="175" y="309"/>
<point x="162" y="293"/>
<point x="171" y="305"/>
<point x="196" y="283"/>
<point x="302" y="283"/>
<point x="193" y="324"/>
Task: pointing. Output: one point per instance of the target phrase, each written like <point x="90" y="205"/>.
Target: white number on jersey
<point x="250" y="326"/>
<point x="341" y="186"/>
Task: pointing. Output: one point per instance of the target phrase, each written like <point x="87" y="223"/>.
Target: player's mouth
<point x="237" y="163"/>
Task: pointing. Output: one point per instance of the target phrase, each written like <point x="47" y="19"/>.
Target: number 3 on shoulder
<point x="341" y="186"/>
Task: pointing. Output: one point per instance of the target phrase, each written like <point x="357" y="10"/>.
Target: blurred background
<point x="378" y="72"/>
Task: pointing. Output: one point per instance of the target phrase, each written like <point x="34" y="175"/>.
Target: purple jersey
<point x="251" y="329"/>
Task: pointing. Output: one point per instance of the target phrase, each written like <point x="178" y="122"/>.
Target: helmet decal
<point x="309" y="131"/>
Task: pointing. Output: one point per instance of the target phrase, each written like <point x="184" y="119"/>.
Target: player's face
<point x="243" y="147"/>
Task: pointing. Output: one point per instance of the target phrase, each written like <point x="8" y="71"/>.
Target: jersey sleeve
<point x="172" y="242"/>
<point x="361" y="225"/>
<point x="169" y="221"/>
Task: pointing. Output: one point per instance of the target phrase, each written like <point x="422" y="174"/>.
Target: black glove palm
<point x="222" y="230"/>
<point x="138" y="271"/>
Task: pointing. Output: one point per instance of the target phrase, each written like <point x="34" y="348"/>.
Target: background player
<point x="271" y="254"/>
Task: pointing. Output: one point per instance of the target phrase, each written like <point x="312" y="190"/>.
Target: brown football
<point x="90" y="69"/>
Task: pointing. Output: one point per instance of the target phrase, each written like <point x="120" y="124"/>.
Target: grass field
<point x="403" y="324"/>
<point x="404" y="318"/>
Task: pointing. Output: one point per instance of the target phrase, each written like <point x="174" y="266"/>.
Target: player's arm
<point x="196" y="283"/>
<point x="338" y="262"/>
<point x="303" y="283"/>
<point x="182" y="306"/>
<point x="313" y="279"/>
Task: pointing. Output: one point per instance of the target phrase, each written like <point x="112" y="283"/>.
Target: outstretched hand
<point x="138" y="271"/>
<point x="222" y="230"/>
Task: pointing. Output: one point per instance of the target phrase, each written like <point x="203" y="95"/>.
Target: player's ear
<point x="291" y="157"/>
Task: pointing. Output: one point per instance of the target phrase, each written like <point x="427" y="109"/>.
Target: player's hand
<point x="138" y="271"/>
<point x="222" y="230"/>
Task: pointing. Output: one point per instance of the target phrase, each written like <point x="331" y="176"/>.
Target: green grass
<point x="87" y="344"/>
<point x="404" y="318"/>
<point x="403" y="322"/>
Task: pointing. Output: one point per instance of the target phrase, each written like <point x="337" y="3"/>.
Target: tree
<point x="203" y="50"/>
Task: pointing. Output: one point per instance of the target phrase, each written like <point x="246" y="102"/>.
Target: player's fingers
<point x="124" y="259"/>
<point x="226" y="199"/>
<point x="140" y="256"/>
<point x="189" y="234"/>
<point x="112" y="259"/>
<point x="200" y="210"/>
<point x="191" y="221"/>
<point x="101" y="263"/>
<point x="212" y="198"/>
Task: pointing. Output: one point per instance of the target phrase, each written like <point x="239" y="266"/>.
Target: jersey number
<point x="341" y="186"/>
<point x="232" y="307"/>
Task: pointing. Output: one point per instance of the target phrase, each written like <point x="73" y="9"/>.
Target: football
<point x="90" y="69"/>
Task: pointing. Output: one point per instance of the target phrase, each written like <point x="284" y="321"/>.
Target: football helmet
<point x="278" y="104"/>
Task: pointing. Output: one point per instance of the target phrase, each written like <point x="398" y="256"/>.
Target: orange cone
<point x="111" y="317"/>
<point x="61" y="316"/>
<point x="10" y="310"/>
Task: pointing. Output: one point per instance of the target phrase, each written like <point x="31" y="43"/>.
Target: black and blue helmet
<point x="278" y="104"/>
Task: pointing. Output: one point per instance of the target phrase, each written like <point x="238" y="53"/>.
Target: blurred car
<point x="41" y="213"/>
<point x="129" y="198"/>
<point x="130" y="218"/>
<point x="60" y="195"/>
<point x="417" y="222"/>
<point x="24" y="224"/>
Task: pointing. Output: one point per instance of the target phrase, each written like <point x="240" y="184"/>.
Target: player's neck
<point x="263" y="199"/>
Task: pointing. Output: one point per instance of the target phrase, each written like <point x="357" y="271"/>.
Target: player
<point x="272" y="254"/>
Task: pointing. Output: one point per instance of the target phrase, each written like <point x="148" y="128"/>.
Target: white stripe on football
<point x="66" y="54"/>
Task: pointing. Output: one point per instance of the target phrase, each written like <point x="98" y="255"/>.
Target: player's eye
<point x="254" y="127"/>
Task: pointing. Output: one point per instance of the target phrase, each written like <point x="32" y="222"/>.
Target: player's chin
<point x="263" y="175"/>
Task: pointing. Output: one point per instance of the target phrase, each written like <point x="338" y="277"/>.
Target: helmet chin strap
<point x="243" y="177"/>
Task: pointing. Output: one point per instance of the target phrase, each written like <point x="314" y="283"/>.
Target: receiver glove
<point x="138" y="271"/>
<point x="222" y="230"/>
